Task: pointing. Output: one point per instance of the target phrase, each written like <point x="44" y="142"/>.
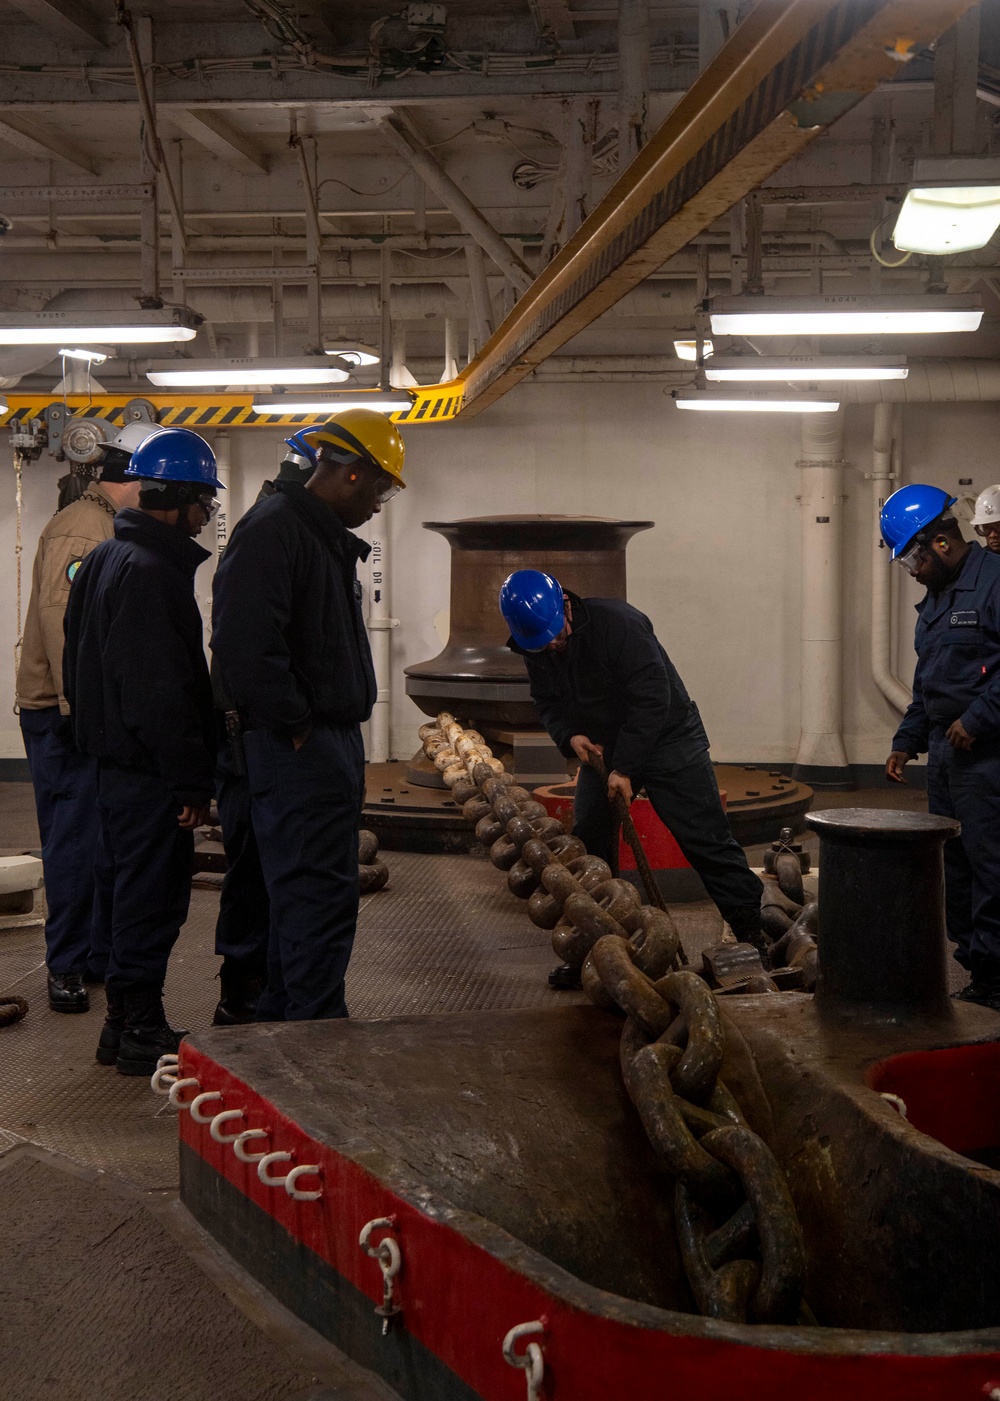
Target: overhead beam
<point x="218" y="135"/>
<point x="285" y="86"/>
<point x="67" y="20"/>
<point x="406" y="140"/>
<point x="43" y="145"/>
<point x="792" y="68"/>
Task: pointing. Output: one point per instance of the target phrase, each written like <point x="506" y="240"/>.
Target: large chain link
<point x="736" y="1223"/>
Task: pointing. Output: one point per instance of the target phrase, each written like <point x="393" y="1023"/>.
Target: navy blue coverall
<point x="616" y="685"/>
<point x="290" y="641"/>
<point x="136" y="678"/>
<point x="243" y="927"/>
<point x="957" y="641"/>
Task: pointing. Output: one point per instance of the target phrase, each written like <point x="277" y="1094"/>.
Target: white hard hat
<point x="988" y="507"/>
<point x="129" y="437"/>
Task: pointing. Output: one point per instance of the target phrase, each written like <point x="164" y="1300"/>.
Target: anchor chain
<point x="789" y="922"/>
<point x="739" y="1235"/>
<point x="567" y="891"/>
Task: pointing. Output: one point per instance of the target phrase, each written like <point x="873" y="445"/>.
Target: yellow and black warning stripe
<point x="437" y="403"/>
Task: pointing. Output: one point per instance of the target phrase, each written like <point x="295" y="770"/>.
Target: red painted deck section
<point x="952" y="1095"/>
<point x="459" y="1300"/>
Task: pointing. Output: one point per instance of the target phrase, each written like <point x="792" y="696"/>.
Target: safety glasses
<point x="209" y="506"/>
<point x="386" y="487"/>
<point x="911" y="557"/>
<point x="984" y="531"/>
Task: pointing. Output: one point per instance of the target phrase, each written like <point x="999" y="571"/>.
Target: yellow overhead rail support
<point x="789" y="71"/>
<point x="435" y="404"/>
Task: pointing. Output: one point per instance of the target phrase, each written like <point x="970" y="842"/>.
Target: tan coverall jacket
<point x="64" y="543"/>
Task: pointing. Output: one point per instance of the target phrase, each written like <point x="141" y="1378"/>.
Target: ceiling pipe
<point x="18" y="361"/>
<point x="931" y="382"/>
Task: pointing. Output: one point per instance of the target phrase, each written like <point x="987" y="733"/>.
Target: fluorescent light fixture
<point x="688" y="350"/>
<point x="813" y="369"/>
<point x="244" y="370"/>
<point x="952" y="207"/>
<point x="91" y="357"/>
<point x="750" y="403"/>
<point x="356" y="354"/>
<point x="382" y="403"/>
<point x="105" y="328"/>
<point x="844" y="315"/>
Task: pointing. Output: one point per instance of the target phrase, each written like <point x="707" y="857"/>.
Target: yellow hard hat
<point x="368" y="434"/>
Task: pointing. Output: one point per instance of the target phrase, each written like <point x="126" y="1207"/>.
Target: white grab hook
<point x="531" y="1360"/>
<point x="245" y="1137"/>
<point x="198" y="1101"/>
<point x="226" y="1117"/>
<point x="897" y="1103"/>
<point x="302" y="1194"/>
<point x="165" y="1075"/>
<point x="175" y="1092"/>
<point x="389" y="1257"/>
<point x="265" y="1162"/>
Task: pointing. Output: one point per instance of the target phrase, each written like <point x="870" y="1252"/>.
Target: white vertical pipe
<point x="821" y="755"/>
<point x="479" y="293"/>
<point x="223" y="470"/>
<point x="379" y="626"/>
<point x="883" y="442"/>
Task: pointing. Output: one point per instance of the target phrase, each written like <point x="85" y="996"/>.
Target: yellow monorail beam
<point x="434" y="404"/>
<point x="789" y="71"/>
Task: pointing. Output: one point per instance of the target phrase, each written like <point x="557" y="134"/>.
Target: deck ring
<point x="198" y="1101"/>
<point x="298" y="1194"/>
<point x="175" y="1092"/>
<point x="265" y="1162"/>
<point x="225" y="1117"/>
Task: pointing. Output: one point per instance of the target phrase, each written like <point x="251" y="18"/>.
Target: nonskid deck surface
<point x="101" y="1299"/>
<point x="444" y="937"/>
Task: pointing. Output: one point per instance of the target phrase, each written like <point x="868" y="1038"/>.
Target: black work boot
<point x="242" y="985"/>
<point x="147" y="1035"/>
<point x="984" y="989"/>
<point x="111" y="1031"/>
<point x="67" y="993"/>
<point x="745" y="924"/>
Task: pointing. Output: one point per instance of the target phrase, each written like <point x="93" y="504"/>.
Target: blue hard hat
<point x="174" y="455"/>
<point x="910" y="510"/>
<point x="532" y="605"/>
<point x="301" y="446"/>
